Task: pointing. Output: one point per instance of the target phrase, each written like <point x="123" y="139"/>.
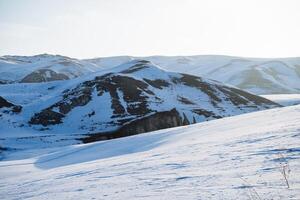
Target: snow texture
<point x="237" y="157"/>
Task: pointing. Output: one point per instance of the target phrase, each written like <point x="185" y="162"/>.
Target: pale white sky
<point x="97" y="28"/>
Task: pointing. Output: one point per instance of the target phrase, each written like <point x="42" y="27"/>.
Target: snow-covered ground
<point x="284" y="99"/>
<point x="238" y="157"/>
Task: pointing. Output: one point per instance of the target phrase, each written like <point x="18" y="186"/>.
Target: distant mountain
<point x="133" y="98"/>
<point x="258" y="76"/>
<point x="42" y="68"/>
<point x="255" y="75"/>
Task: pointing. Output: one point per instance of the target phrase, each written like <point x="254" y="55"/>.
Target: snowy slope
<point x="237" y="157"/>
<point x="284" y="99"/>
<point x="132" y="98"/>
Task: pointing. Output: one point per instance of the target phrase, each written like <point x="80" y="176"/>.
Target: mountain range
<point x="135" y="97"/>
<point x="255" y="75"/>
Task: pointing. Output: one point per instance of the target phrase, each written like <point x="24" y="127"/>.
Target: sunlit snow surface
<point x="230" y="158"/>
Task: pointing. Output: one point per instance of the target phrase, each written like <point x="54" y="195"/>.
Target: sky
<point x="100" y="28"/>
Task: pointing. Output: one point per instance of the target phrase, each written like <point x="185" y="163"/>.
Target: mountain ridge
<point x="113" y="101"/>
<point x="255" y="75"/>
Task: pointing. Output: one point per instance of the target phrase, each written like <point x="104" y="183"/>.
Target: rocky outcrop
<point x="206" y="113"/>
<point x="43" y="75"/>
<point x="132" y="94"/>
<point x="140" y="65"/>
<point x="158" y="83"/>
<point x="5" y="104"/>
<point x="47" y="117"/>
<point x="238" y="97"/>
<point x="156" y="121"/>
<point x="196" y="82"/>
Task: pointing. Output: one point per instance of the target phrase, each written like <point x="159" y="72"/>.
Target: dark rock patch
<point x="133" y="91"/>
<point x="3" y="82"/>
<point x="250" y="97"/>
<point x="91" y="114"/>
<point x="235" y="98"/>
<point x="142" y="64"/>
<point x="5" y="104"/>
<point x="185" y="120"/>
<point x="43" y="75"/>
<point x="47" y="117"/>
<point x="156" y="121"/>
<point x="79" y="96"/>
<point x="205" y="113"/>
<point x="158" y="83"/>
<point x="185" y="100"/>
<point x="196" y="82"/>
<point x="2" y="149"/>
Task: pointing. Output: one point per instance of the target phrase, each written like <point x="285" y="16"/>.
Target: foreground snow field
<point x="237" y="157"/>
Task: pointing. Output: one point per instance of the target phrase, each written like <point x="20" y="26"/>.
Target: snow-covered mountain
<point x="258" y="76"/>
<point x="42" y="68"/>
<point x="240" y="157"/>
<point x="255" y="75"/>
<point x="132" y="98"/>
<point x="284" y="99"/>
